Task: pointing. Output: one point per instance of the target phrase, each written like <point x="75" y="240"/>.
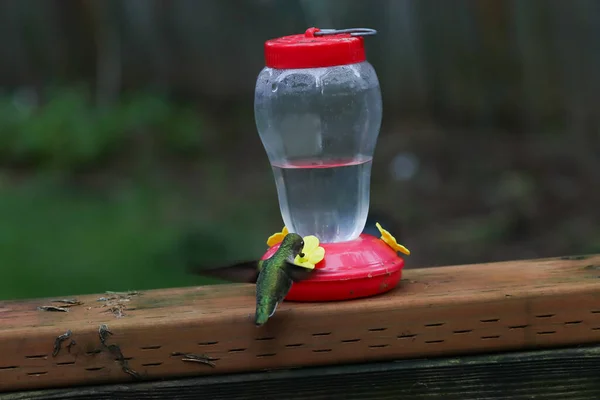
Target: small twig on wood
<point x="58" y="342"/>
<point x="115" y="350"/>
<point x="53" y="308"/>
<point x="115" y="302"/>
<point x="68" y="302"/>
<point x="103" y="333"/>
<point x="125" y="294"/>
<point x="116" y="310"/>
<point x="73" y="343"/>
<point x="197" y="358"/>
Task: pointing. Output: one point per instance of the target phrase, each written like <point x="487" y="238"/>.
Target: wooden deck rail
<point x="445" y="311"/>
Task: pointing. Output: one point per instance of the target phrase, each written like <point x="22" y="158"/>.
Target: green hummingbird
<point x="273" y="277"/>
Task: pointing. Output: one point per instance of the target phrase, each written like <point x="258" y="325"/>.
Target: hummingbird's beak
<point x="301" y="254"/>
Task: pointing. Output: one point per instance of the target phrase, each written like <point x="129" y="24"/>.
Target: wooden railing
<point x="452" y="311"/>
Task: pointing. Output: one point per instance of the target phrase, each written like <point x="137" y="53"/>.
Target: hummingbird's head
<point x="294" y="242"/>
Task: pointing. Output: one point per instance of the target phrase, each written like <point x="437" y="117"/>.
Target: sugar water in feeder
<point x="318" y="112"/>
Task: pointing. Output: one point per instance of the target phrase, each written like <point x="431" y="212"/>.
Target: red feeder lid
<point x="312" y="51"/>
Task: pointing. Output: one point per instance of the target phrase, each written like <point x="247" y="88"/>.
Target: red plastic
<point x="310" y="51"/>
<point x="363" y="267"/>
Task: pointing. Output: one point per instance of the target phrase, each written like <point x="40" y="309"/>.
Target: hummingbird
<point x="273" y="277"/>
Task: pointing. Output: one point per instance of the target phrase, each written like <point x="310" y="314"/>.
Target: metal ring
<point x="351" y="31"/>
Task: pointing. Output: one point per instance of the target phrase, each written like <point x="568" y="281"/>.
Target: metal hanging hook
<point x="351" y="31"/>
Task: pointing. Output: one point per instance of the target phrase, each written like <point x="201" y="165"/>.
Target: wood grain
<point x="444" y="311"/>
<point x="569" y="374"/>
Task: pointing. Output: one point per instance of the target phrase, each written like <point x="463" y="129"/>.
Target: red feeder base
<point x="363" y="267"/>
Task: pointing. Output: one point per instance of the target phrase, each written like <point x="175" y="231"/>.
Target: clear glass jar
<point x="319" y="126"/>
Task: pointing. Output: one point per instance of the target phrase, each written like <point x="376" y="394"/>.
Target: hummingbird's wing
<point x="243" y="272"/>
<point x="296" y="272"/>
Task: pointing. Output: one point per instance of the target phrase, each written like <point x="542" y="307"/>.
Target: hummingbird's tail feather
<point x="262" y="317"/>
<point x="243" y="272"/>
<point x="274" y="308"/>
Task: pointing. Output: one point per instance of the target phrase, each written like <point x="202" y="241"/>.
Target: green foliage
<point x="52" y="243"/>
<point x="68" y="132"/>
<point x="59" y="242"/>
<point x="59" y="236"/>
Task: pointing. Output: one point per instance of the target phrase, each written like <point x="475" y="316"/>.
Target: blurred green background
<point x="127" y="127"/>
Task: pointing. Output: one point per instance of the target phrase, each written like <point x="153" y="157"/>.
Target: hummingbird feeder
<point x="318" y="111"/>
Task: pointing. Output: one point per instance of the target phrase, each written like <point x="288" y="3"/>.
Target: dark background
<point x="127" y="126"/>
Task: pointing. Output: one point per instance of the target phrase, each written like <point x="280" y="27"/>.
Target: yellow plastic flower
<point x="277" y="238"/>
<point x="391" y="241"/>
<point x="313" y="253"/>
